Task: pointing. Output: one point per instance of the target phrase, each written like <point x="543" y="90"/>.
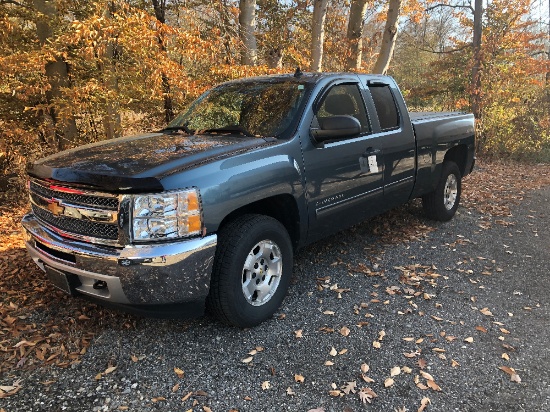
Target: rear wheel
<point x="443" y="202"/>
<point x="252" y="270"/>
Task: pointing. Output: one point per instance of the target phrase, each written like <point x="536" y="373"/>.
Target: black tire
<point x="441" y="204"/>
<point x="236" y="241"/>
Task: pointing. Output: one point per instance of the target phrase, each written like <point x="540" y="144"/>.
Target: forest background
<point x="77" y="71"/>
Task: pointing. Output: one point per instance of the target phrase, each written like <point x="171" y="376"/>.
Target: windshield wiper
<point x="228" y="129"/>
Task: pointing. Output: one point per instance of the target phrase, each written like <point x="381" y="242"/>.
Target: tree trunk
<point x="247" y="26"/>
<point x="57" y="73"/>
<point x="275" y="58"/>
<point x="389" y="37"/>
<point x="357" y="12"/>
<point x="475" y="86"/>
<point x="318" y="34"/>
<point x="160" y="14"/>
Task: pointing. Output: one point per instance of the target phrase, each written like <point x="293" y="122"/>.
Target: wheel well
<point x="458" y="154"/>
<point x="280" y="207"/>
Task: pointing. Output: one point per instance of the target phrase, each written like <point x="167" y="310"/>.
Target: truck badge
<point x="56" y="208"/>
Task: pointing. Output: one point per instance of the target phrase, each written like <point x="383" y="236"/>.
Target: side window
<point x="345" y="99"/>
<point x="385" y="107"/>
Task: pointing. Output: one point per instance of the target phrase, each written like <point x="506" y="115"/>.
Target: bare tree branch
<point x="468" y="45"/>
<point x="453" y="6"/>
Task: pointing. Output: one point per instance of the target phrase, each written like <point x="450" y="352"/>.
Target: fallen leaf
<point x="424" y="404"/>
<point x="481" y="329"/>
<point x="329" y="363"/>
<point x="298" y="333"/>
<point x="206" y="409"/>
<point x="469" y="339"/>
<point x="328" y="312"/>
<point x="376" y="344"/>
<point x="334" y="392"/>
<point x="175" y="387"/>
<point x="349" y="387"/>
<point x="247" y="360"/>
<point x="364" y="368"/>
<point x="396" y="370"/>
<point x="344" y="331"/>
<point x="179" y="372"/>
<point x="333" y="352"/>
<point x="422" y="363"/>
<point x="486" y="312"/>
<point x="266" y="385"/>
<point x="406" y="369"/>
<point x="186" y="396"/>
<point x="454" y="363"/>
<point x="505" y="356"/>
<point x="366" y="378"/>
<point x="426" y="375"/>
<point x="299" y="378"/>
<point x="388" y="382"/>
<point x="109" y="370"/>
<point x="432" y="385"/>
<point x="366" y="395"/>
<point x="290" y="392"/>
<point x="317" y="410"/>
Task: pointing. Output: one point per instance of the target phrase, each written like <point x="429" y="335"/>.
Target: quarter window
<point x="385" y="107"/>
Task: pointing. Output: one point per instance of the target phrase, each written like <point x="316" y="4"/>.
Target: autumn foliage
<point x="76" y="71"/>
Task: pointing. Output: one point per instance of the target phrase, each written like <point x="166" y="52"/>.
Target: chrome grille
<point x="86" y="200"/>
<point x="76" y="213"/>
<point x="77" y="226"/>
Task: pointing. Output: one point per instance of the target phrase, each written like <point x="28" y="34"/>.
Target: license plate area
<point x="60" y="280"/>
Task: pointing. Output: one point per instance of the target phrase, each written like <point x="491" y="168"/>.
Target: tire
<point x="442" y="203"/>
<point x="243" y="292"/>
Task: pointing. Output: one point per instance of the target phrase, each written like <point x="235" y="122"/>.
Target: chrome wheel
<point x="262" y="272"/>
<point x="450" y="192"/>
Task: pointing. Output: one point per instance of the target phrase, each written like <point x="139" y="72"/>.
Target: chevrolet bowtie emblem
<point x="55" y="208"/>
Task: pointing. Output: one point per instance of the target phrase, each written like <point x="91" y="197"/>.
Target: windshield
<point x="255" y="108"/>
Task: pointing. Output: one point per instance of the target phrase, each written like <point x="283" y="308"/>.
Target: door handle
<point x="371" y="151"/>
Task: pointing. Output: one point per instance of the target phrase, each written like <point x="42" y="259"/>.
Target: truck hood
<point x="138" y="163"/>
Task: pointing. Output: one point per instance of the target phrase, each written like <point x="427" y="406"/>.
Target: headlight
<point x="167" y="215"/>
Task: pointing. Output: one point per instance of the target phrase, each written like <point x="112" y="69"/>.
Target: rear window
<point x="385" y="107"/>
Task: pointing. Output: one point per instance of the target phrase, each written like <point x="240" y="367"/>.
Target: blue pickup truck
<point x="209" y="211"/>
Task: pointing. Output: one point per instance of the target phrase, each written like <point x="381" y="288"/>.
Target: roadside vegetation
<point x="76" y="72"/>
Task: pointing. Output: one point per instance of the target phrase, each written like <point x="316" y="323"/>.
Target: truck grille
<point x="74" y="212"/>
<point x="85" y="200"/>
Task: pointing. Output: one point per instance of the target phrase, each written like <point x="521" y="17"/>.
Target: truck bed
<point x="417" y="117"/>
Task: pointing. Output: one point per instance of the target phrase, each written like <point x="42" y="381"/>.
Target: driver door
<point x="344" y="176"/>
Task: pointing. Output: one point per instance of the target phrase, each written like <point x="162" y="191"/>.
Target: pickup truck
<point x="208" y="212"/>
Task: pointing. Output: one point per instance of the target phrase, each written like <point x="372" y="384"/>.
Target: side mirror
<point x="336" y="127"/>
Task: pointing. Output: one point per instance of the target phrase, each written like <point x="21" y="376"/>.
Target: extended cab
<point x="211" y="209"/>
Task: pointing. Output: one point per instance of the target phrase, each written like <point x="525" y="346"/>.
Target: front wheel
<point x="252" y="270"/>
<point x="442" y="203"/>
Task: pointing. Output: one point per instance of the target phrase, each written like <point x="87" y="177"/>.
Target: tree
<point x="475" y="85"/>
<point x="108" y="63"/>
<point x="160" y="13"/>
<point x="247" y="26"/>
<point x="57" y="73"/>
<point x="355" y="33"/>
<point x="318" y="34"/>
<point x="389" y="37"/>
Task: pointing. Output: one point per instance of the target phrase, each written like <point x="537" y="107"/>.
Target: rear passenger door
<point x="342" y="187"/>
<point x="393" y="125"/>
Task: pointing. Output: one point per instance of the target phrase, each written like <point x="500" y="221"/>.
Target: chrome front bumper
<point x="160" y="274"/>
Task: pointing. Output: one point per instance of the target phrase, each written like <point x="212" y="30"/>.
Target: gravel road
<point x="442" y="308"/>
